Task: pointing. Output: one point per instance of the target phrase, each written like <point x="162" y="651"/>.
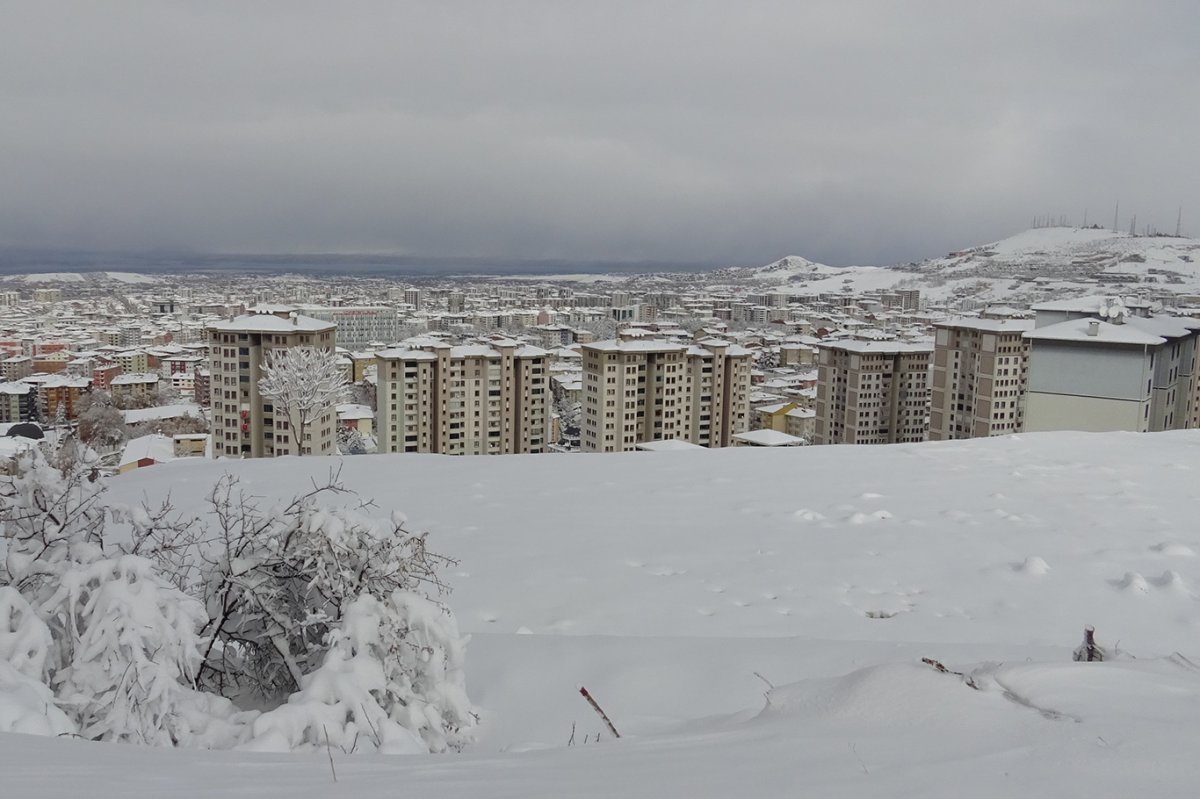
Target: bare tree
<point x="304" y="383"/>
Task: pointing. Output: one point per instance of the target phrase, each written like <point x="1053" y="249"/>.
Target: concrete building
<point x="872" y="392"/>
<point x="135" y="388"/>
<point x="16" y="402"/>
<point x="245" y="424"/>
<point x="358" y="326"/>
<point x="649" y="390"/>
<point x="484" y="399"/>
<point x="978" y="385"/>
<point x="1099" y="364"/>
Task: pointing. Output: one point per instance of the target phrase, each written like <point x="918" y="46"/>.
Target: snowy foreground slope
<point x="664" y="581"/>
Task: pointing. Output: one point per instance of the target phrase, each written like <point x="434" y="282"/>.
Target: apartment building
<point x="358" y="325"/>
<point x="638" y="390"/>
<point x="16" y="402"/>
<point x="135" y="388"/>
<point x="872" y="392"/>
<point x="480" y="399"/>
<point x="1100" y="364"/>
<point x="244" y="423"/>
<point x="980" y="368"/>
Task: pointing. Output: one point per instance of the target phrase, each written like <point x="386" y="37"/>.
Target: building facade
<point x="244" y="423"/>
<point x="980" y="370"/>
<point x="1114" y="372"/>
<point x="872" y="392"/>
<point x="485" y="399"/>
<point x="639" y="390"/>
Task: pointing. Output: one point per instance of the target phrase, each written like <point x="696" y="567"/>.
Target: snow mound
<point x="1033" y="566"/>
<point x="887" y="695"/>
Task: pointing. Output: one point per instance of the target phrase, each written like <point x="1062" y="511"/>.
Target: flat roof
<point x="266" y="323"/>
<point x="1106" y="333"/>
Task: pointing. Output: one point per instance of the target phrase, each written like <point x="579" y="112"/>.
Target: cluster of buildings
<point x="1091" y="363"/>
<point x="506" y="367"/>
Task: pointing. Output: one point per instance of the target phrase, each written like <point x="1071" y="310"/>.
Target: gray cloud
<point x="851" y="132"/>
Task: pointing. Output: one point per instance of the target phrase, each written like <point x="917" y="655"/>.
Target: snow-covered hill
<point x="1027" y="267"/>
<point x="88" y="277"/>
<point x="664" y="581"/>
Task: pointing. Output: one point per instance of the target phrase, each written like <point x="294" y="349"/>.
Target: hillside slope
<point x="664" y="581"/>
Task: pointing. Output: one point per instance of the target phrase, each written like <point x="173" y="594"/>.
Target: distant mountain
<point x="1024" y="267"/>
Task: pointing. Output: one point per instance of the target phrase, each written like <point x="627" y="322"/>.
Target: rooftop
<point x="1106" y="333"/>
<point x="266" y="323"/>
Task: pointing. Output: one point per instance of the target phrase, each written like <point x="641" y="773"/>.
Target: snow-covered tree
<point x="304" y="383"/>
<point x="60" y="416"/>
<point x="350" y="441"/>
<point x="101" y="424"/>
<point x="168" y="394"/>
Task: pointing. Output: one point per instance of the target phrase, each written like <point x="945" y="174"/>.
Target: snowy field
<point x="664" y="581"/>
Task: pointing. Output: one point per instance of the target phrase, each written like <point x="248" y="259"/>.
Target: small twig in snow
<point x="329" y="751"/>
<point x="854" y="749"/>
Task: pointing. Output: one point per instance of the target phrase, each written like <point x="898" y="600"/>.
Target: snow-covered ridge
<point x="88" y="277"/>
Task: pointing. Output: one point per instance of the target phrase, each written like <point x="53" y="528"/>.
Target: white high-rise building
<point x="244" y="423"/>
<point x="483" y="399"/>
<point x="636" y="391"/>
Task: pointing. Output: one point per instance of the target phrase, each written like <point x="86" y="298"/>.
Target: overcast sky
<point x="732" y="132"/>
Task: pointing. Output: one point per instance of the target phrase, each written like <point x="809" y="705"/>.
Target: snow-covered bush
<point x="392" y="681"/>
<point x="50" y="523"/>
<point x="283" y="575"/>
<point x="127" y="650"/>
<point x="119" y="640"/>
<point x="26" y="702"/>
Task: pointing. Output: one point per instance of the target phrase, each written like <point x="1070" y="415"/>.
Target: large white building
<point x="639" y="390"/>
<point x="244" y="423"/>
<point x="483" y="399"/>
<point x="358" y="326"/>
<point x="1099" y="364"/>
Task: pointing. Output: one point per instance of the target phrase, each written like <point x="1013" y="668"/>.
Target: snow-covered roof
<point x="134" y="378"/>
<point x="266" y="323"/>
<point x="638" y="345"/>
<point x="158" y="448"/>
<point x="769" y="438"/>
<point x="405" y="355"/>
<point x="863" y="347"/>
<point x="1165" y="326"/>
<point x="987" y="325"/>
<point x="668" y="445"/>
<point x="353" y="411"/>
<point x="1106" y="333"/>
<point x="176" y="411"/>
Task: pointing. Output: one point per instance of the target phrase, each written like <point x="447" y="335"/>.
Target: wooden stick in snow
<point x="584" y="693"/>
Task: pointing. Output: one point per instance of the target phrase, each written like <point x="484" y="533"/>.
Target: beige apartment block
<point x="872" y="392"/>
<point x="980" y="371"/>
<point x="484" y="399"/>
<point x="244" y="423"/>
<point x="636" y="391"/>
